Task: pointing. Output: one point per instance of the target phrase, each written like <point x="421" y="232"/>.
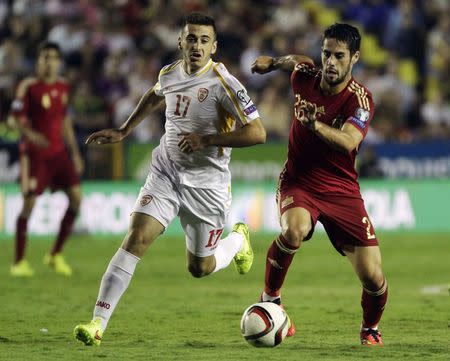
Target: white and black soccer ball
<point x="264" y="324"/>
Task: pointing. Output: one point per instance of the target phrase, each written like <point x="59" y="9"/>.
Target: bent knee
<point x="372" y="281"/>
<point x="199" y="270"/>
<point x="296" y="234"/>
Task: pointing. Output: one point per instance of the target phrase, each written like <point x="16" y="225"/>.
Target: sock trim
<point x="280" y="241"/>
<point x="381" y="291"/>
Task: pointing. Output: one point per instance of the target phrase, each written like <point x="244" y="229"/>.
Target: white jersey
<point x="210" y="101"/>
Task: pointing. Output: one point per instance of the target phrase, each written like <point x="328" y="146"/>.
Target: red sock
<point x="279" y="258"/>
<point x="64" y="230"/>
<point x="21" y="237"/>
<point x="373" y="305"/>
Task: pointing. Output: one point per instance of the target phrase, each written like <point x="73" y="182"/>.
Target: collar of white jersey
<point x="198" y="72"/>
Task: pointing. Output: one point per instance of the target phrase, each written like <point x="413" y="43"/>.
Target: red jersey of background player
<point x="311" y="162"/>
<point x="44" y="106"/>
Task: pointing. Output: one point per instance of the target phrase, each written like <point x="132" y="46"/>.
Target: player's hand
<point x="306" y="113"/>
<point x="106" y="136"/>
<point x="37" y="139"/>
<point x="79" y="164"/>
<point x="191" y="142"/>
<point x="262" y="65"/>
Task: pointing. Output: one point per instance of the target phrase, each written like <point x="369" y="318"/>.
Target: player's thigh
<point x="155" y="208"/>
<point x="296" y="225"/>
<point x="158" y="198"/>
<point x="203" y="214"/>
<point x="298" y="213"/>
<point x="347" y="223"/>
<point x="366" y="262"/>
<point x="34" y="174"/>
<point x="142" y="231"/>
<point x="63" y="174"/>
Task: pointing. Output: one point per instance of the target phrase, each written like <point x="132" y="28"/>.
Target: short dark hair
<point x="345" y="33"/>
<point x="46" y="45"/>
<point x="200" y="19"/>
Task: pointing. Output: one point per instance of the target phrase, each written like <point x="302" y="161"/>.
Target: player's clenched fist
<point x="306" y="113"/>
<point x="191" y="142"/>
<point x="263" y="64"/>
<point x="106" y="136"/>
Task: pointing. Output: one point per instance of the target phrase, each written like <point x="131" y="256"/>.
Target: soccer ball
<point x="264" y="324"/>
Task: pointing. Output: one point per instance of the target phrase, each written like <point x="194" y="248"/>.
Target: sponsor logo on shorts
<point x="243" y="96"/>
<point x="202" y="94"/>
<point x="146" y="199"/>
<point x="251" y="109"/>
<point x="287" y="201"/>
<point x="103" y="304"/>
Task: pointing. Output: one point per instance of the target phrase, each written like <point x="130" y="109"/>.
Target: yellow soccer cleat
<point x="244" y="258"/>
<point x="21" y="269"/>
<point x="58" y="264"/>
<point x="89" y="333"/>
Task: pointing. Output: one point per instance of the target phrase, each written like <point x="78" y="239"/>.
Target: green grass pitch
<point x="168" y="315"/>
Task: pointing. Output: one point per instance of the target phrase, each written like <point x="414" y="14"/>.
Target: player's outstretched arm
<point x="250" y="134"/>
<point x="265" y="64"/>
<point x="148" y="103"/>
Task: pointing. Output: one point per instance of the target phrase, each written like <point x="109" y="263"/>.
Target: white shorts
<point x="202" y="211"/>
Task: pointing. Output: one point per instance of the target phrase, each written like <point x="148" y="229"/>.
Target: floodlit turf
<point x="168" y="315"/>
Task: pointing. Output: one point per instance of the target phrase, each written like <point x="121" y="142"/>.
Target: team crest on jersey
<point x="145" y="199"/>
<point x="45" y="101"/>
<point x="202" y="94"/>
<point x="64" y="98"/>
<point x="243" y="96"/>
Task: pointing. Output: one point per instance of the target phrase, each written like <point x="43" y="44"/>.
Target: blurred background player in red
<point x="332" y="113"/>
<point x="39" y="112"/>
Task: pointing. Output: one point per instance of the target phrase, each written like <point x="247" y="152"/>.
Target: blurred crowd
<point x="114" y="50"/>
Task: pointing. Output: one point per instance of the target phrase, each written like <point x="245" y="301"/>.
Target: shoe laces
<point x="374" y="333"/>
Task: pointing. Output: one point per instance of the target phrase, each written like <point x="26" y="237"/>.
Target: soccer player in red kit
<point x="39" y="112"/>
<point x="332" y="113"/>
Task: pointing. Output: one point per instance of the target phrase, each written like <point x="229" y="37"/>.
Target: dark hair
<point x="345" y="33"/>
<point x="200" y="19"/>
<point x="46" y="45"/>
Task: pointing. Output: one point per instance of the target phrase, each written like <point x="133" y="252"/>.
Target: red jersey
<point x="312" y="163"/>
<point x="43" y="106"/>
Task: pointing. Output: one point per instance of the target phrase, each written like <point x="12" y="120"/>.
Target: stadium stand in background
<point x="114" y="50"/>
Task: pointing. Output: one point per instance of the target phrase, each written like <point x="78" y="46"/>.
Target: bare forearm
<point x="336" y="138"/>
<point x="148" y="103"/>
<point x="288" y="62"/>
<point x="246" y="136"/>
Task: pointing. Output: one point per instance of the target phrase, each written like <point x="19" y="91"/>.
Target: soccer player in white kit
<point x="208" y="112"/>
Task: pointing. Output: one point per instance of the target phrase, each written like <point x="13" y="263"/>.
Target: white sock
<point x="226" y="249"/>
<point x="114" y="283"/>
<point x="265" y="297"/>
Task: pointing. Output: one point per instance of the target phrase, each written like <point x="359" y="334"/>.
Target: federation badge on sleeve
<point x="202" y="94"/>
<point x="362" y="114"/>
<point x="243" y="96"/>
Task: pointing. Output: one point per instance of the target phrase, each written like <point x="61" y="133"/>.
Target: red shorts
<point x="55" y="172"/>
<point x="344" y="217"/>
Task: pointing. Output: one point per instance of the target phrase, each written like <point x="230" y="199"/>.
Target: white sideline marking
<point x="436" y="290"/>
